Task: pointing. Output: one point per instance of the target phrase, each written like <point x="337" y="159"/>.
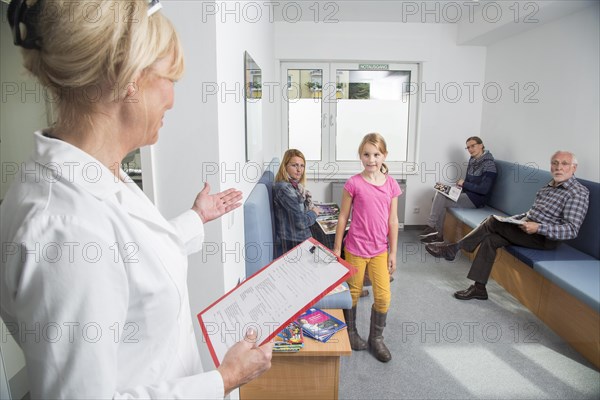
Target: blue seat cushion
<point x="579" y="278"/>
<point x="338" y="300"/>
<point x="472" y="217"/>
<point x="563" y="252"/>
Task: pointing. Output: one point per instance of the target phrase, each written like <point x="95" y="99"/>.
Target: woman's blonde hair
<point x="92" y="51"/>
<point x="282" y="174"/>
<point x="378" y="141"/>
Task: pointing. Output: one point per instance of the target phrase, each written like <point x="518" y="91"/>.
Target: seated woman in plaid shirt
<point x="556" y="214"/>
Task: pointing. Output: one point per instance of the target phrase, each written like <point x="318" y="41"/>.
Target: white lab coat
<point x="93" y="283"/>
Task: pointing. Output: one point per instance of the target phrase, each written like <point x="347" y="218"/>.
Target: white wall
<point x="447" y="116"/>
<point x="561" y="60"/>
<point x="203" y="135"/>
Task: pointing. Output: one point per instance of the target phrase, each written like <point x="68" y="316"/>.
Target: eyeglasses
<point x="472" y="146"/>
<point x="563" y="163"/>
<point x="297" y="166"/>
<point x="153" y="6"/>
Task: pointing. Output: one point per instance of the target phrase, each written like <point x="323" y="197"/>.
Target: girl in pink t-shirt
<point x="372" y="240"/>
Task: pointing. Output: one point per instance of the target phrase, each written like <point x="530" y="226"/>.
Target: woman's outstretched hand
<point x="212" y="206"/>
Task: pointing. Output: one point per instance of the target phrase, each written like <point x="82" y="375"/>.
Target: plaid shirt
<point x="292" y="219"/>
<point x="560" y="209"/>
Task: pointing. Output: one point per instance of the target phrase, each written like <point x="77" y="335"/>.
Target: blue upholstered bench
<point x="573" y="267"/>
<point x="259" y="230"/>
<point x="513" y="193"/>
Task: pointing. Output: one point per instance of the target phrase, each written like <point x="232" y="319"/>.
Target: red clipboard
<point x="248" y="284"/>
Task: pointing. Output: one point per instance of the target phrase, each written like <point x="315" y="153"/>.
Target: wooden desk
<point x="312" y="373"/>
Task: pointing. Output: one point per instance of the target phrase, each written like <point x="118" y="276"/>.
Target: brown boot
<point x="376" y="345"/>
<point x="356" y="342"/>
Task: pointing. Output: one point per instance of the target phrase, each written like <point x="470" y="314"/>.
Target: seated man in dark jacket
<point x="556" y="214"/>
<point x="476" y="189"/>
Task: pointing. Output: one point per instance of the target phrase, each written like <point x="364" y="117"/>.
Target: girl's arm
<point x="342" y="222"/>
<point x="392" y="235"/>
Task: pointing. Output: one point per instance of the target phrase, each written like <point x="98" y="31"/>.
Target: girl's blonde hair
<point x="378" y="141"/>
<point x="91" y="51"/>
<point x="282" y="175"/>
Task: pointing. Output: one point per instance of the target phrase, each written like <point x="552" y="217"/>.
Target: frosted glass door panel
<point x="372" y="101"/>
<point x="304" y="116"/>
<point x="305" y="111"/>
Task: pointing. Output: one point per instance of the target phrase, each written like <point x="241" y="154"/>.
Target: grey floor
<point x="444" y="348"/>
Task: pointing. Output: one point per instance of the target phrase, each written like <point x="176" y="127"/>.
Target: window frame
<point x="328" y="167"/>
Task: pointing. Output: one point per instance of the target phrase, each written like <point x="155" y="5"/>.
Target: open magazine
<point x="452" y="192"/>
<point x="510" y="220"/>
<point x="328" y="217"/>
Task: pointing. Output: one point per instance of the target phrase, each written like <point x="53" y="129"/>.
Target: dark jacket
<point x="481" y="175"/>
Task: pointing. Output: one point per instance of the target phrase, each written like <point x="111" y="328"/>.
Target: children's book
<point x="328" y="217"/>
<point x="451" y="192"/>
<point x="290" y="339"/>
<point x="319" y="325"/>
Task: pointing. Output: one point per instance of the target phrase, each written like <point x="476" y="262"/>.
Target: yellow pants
<point x="378" y="274"/>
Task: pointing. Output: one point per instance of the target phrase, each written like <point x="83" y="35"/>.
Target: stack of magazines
<point x="290" y="339"/>
<point x="319" y="325"/>
<point x="329" y="214"/>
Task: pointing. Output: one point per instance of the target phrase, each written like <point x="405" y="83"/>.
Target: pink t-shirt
<point x="368" y="234"/>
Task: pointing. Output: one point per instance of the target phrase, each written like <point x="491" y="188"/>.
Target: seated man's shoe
<point x="473" y="292"/>
<point x="433" y="239"/>
<point x="428" y="231"/>
<point x="447" y="251"/>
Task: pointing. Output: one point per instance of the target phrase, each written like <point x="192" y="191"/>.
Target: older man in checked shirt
<point x="557" y="213"/>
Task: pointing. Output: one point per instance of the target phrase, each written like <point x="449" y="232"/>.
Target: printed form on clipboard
<point x="272" y="297"/>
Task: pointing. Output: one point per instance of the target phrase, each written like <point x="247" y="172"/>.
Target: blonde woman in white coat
<point x="92" y="277"/>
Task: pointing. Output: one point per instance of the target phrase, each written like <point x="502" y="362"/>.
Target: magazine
<point x="319" y="325"/>
<point x="510" y="220"/>
<point x="328" y="217"/>
<point x="290" y="339"/>
<point x="451" y="192"/>
<point x="327" y="209"/>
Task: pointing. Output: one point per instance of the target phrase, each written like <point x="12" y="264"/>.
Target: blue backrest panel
<point x="258" y="229"/>
<point x="259" y="221"/>
<point x="515" y="189"/>
<point x="516" y="186"/>
<point x="588" y="239"/>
